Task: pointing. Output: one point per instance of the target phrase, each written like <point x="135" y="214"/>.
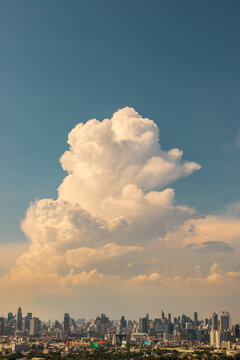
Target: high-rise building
<point x="66" y="328"/>
<point x="26" y="322"/>
<point x="215" y="338"/>
<point x="19" y="319"/>
<point x="1" y="326"/>
<point x="225" y="321"/>
<point x="215" y="321"/>
<point x="236" y="331"/>
<point x="123" y="322"/>
<point x="10" y="319"/>
<point x="195" y="318"/>
<point x="34" y="327"/>
<point x="143" y="325"/>
<point x="57" y="324"/>
<point x="10" y="316"/>
<point x="130" y="324"/>
<point x="169" y="317"/>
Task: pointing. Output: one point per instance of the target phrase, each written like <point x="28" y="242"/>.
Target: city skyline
<point x="30" y="336"/>
<point x="214" y="317"/>
<point x="120" y="146"/>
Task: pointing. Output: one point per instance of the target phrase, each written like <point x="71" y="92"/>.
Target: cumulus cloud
<point x="113" y="204"/>
<point x="217" y="276"/>
<point x="82" y="256"/>
<point x="92" y="277"/>
<point x="108" y="160"/>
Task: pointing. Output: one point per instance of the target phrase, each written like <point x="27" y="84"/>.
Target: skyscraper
<point x="10" y="316"/>
<point x="143" y="325"/>
<point x="34" y="327"/>
<point x="195" y="317"/>
<point x="123" y="322"/>
<point x="66" y="328"/>
<point x="19" y="319"/>
<point x="26" y="322"/>
<point x="1" y="326"/>
<point x="169" y="317"/>
<point x="236" y="331"/>
<point x="10" y="319"/>
<point x="57" y="324"/>
<point x="225" y="321"/>
<point x="215" y="338"/>
<point x="214" y="321"/>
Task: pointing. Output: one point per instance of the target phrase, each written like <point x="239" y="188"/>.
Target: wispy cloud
<point x="210" y="247"/>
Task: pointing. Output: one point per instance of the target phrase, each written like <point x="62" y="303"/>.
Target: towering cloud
<point x="110" y="160"/>
<point x="113" y="205"/>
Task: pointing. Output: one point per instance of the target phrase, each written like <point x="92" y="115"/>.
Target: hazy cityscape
<point x="24" y="335"/>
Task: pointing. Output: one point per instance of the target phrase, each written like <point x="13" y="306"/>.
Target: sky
<point x="140" y="211"/>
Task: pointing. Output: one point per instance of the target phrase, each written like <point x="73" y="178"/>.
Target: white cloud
<point x="84" y="255"/>
<point x="108" y="209"/>
<point x="216" y="277"/>
<point x="107" y="157"/>
<point x="84" y="278"/>
<point x="215" y="229"/>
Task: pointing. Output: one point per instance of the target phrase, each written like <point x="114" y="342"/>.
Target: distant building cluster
<point x="18" y="332"/>
<point x="17" y="324"/>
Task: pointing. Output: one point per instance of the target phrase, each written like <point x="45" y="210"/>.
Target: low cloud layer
<point x="216" y="277"/>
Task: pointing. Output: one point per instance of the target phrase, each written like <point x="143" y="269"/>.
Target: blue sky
<point x="176" y="62"/>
